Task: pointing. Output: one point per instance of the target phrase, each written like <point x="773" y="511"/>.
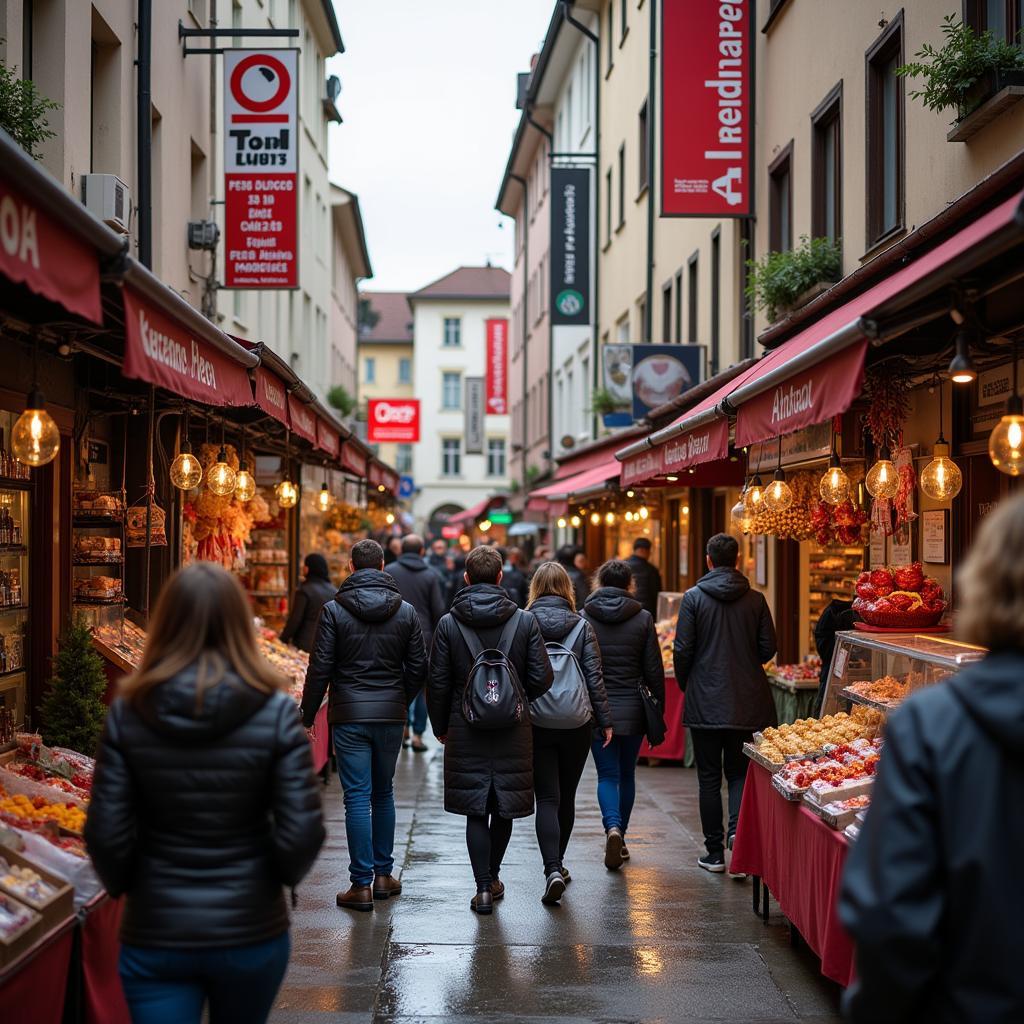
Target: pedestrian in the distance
<point x="314" y="592"/>
<point x="564" y="719"/>
<point x="204" y="807"/>
<point x="646" y="578"/>
<point x="574" y="561"/>
<point x="488" y="764"/>
<point x="631" y="658"/>
<point x="392" y="550"/>
<point x="421" y="587"/>
<point x="724" y="635"/>
<point x="928" y="892"/>
<point x="513" y="579"/>
<point x="370" y="661"/>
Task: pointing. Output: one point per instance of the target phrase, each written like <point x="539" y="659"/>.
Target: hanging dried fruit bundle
<point x="887" y="389"/>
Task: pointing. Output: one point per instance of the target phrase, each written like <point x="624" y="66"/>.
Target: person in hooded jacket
<point x="560" y="754"/>
<point x="928" y="892"/>
<point x="370" y="660"/>
<point x="724" y="635"/>
<point x="204" y="806"/>
<point x="315" y="591"/>
<point x="488" y="773"/>
<point x="421" y="587"/>
<point x="631" y="657"/>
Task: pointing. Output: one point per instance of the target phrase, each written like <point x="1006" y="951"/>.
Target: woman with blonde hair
<point x="564" y="718"/>
<point x="925" y="891"/>
<point x="204" y="806"/>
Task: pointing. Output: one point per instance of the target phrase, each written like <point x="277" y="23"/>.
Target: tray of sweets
<point x="883" y="694"/>
<point x="750" y="749"/>
<point x="840" y="813"/>
<point x="49" y="896"/>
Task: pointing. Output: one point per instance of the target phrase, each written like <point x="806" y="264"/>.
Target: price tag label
<point x="839" y="664"/>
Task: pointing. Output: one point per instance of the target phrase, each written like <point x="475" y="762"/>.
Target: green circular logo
<point x="569" y="302"/>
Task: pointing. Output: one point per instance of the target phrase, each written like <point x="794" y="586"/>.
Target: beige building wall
<point x="385" y="380"/>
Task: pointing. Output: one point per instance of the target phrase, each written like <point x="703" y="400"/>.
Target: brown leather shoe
<point x="358" y="897"/>
<point x="482" y="903"/>
<point x="386" y="886"/>
<point x="497" y="890"/>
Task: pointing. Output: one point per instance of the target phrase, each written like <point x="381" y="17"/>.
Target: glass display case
<point x="880" y="671"/>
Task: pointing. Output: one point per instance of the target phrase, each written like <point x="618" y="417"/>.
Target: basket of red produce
<point x="899" y="597"/>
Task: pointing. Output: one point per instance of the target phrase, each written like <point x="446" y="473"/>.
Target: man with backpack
<point x="488" y="662"/>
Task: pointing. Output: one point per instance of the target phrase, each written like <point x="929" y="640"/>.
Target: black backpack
<point x="493" y="697"/>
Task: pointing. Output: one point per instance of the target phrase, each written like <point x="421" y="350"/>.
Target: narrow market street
<point x="660" y="941"/>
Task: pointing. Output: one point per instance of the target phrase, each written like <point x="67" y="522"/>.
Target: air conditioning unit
<point x="107" y="197"/>
<point x="203" y="234"/>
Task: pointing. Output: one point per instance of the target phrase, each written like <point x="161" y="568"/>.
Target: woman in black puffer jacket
<point x="204" y="807"/>
<point x="563" y="724"/>
<point x="631" y="656"/>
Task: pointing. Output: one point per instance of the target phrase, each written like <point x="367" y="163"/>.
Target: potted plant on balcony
<point x="613" y="412"/>
<point x="968" y="70"/>
<point x="780" y="282"/>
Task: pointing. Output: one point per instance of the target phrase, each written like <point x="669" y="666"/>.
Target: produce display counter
<point x="32" y="987"/>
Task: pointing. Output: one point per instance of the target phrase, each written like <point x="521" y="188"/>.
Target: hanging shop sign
<point x="663" y="372"/>
<point x="353" y="459"/>
<point x="808" y="397"/>
<point x="707" y="108"/>
<point x="810" y="445"/>
<point x="37" y="252"/>
<point x="272" y="395"/>
<point x="992" y="389"/>
<point x="570" y="246"/>
<point x="302" y="419"/>
<point x="162" y="352"/>
<point x="393" y="419"/>
<point x="474" y="428"/>
<point x="327" y="439"/>
<point x="261" y="181"/>
<point x="706" y="443"/>
<point x="497" y="367"/>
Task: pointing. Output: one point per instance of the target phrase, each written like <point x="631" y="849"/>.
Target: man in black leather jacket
<point x="370" y="659"/>
<point x="646" y="578"/>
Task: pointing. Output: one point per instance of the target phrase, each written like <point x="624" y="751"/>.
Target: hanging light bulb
<point x="941" y="479"/>
<point x="778" y="495"/>
<point x="324" y="499"/>
<point x="882" y="480"/>
<point x="643" y="512"/>
<point x="575" y="522"/>
<point x="484" y="526"/>
<point x="834" y="486"/>
<point x="610" y="518"/>
<point x="221" y="478"/>
<point x="629" y="517"/>
<point x="961" y="369"/>
<point x="754" y="495"/>
<point x="390" y="519"/>
<point x="595" y="518"/>
<point x="35" y="439"/>
<point x="245" y="485"/>
<point x="738" y="514"/>
<point x="287" y="494"/>
<point x="186" y="469"/>
<point x="1006" y="442"/>
<point x="561" y="522"/>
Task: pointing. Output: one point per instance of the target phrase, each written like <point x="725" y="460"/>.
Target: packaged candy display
<point x="899" y="597"/>
<point x="887" y="691"/>
<point x="30" y="771"/>
<point x="837" y="814"/>
<point x="97" y="588"/>
<point x="809" y="736"/>
<point x="25" y="884"/>
<point x="804" y="672"/>
<point x="91" y="549"/>
<point x="285" y="658"/>
<point x="846" y="770"/>
<point x="35" y="887"/>
<point x="97" y="504"/>
<point x="666" y="630"/>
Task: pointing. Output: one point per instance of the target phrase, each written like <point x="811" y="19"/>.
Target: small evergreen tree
<point x="23" y="111"/>
<point x="73" y="710"/>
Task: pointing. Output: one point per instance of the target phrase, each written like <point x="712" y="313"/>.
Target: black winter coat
<point x="475" y="760"/>
<point x="928" y="891"/>
<point x="309" y="599"/>
<point x="369" y="654"/>
<point x="630" y="653"/>
<point x="556" y="621"/>
<point x="513" y="582"/>
<point x="421" y="587"/>
<point x="201" y="816"/>
<point x="646" y="582"/>
<point x="724" y="635"/>
<point x="580" y="584"/>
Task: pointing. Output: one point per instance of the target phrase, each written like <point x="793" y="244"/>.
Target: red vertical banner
<point x="497" y="368"/>
<point x="261" y="181"/>
<point x="707" y="108"/>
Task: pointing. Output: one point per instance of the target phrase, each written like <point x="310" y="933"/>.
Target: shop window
<point x="826" y="167"/>
<point x="403" y="458"/>
<point x="369" y="369"/>
<point x="885" y="134"/>
<point x="405" y="370"/>
<point x="451" y="456"/>
<point x="716" y="298"/>
<point x="452" y="332"/>
<point x="496" y="456"/>
<point x="451" y="391"/>
<point x="780" y="201"/>
<point x="692" y="278"/>
<point x="643" y="141"/>
<point x="1003" y="18"/>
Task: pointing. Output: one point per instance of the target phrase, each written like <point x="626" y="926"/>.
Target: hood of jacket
<point x="370" y="595"/>
<point x="173" y="710"/>
<point x="612" y="604"/>
<point x="724" y="584"/>
<point x="554" y="616"/>
<point x="483" y="605"/>
<point x="415" y="563"/>
<point x="993" y="693"/>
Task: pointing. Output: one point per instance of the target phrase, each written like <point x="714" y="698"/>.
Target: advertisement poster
<point x="570" y="246"/>
<point x="497" y="367"/>
<point x="707" y="109"/>
<point x="618" y="373"/>
<point x="663" y="372"/>
<point x="393" y="419"/>
<point x="261" y="181"/>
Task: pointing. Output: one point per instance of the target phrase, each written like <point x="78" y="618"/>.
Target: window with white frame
<point x="369" y="370"/>
<point x="405" y="370"/>
<point x="496" y="456"/>
<point x="451" y="390"/>
<point x="451" y="456"/>
<point x="452" y="332"/>
<point x="403" y="458"/>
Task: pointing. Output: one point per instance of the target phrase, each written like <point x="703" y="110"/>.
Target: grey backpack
<point x="567" y="704"/>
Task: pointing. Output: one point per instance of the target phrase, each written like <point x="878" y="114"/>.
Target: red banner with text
<point x="690" y="448"/>
<point x="496" y="403"/>
<point x="272" y="395"/>
<point x="393" y="419"/>
<point x="303" y="419"/>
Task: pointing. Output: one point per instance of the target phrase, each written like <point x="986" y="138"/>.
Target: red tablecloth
<point x="34" y="992"/>
<point x="102" y="995"/>
<point x="674" y="747"/>
<point x="318" y="738"/>
<point x="801" y="861"/>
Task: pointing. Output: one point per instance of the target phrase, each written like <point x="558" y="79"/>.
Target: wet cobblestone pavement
<point x="659" y="941"/>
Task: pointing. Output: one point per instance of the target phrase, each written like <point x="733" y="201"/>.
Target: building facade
<point x="350" y="264"/>
<point x="450" y="346"/>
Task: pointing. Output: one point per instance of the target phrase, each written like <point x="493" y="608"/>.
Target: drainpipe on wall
<point x="652" y="177"/>
<point x="525" y="321"/>
<point x="144" y="131"/>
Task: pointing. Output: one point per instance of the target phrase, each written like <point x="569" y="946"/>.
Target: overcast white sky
<point x="428" y="98"/>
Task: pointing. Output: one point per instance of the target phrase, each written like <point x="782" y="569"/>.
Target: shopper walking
<point x="421" y="587"/>
<point x="646" y="578"/>
<point x="513" y="579"/>
<point x="204" y="806"/>
<point x="573" y="560"/>
<point x="314" y="592"/>
<point x="724" y="635"/>
<point x="564" y="719"/>
<point x="370" y="660"/>
<point x="928" y="892"/>
<point x="488" y="772"/>
<point x="631" y="658"/>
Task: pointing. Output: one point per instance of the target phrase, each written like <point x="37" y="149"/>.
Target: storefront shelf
<point x="13" y="672"/>
<point x="867" y="702"/>
<point x="13" y="550"/>
<point x="86" y="519"/>
<point x="94" y="602"/>
<point x="80" y="560"/>
<point x="14" y="483"/>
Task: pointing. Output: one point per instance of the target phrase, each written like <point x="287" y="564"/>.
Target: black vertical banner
<point x="570" y="246"/>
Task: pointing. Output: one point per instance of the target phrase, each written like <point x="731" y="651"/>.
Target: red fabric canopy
<point x="327" y="438"/>
<point x="608" y="469"/>
<point x="272" y="395"/>
<point x="470" y="515"/>
<point x="303" y="419"/>
<point x="353" y="459"/>
<point x="707" y="442"/>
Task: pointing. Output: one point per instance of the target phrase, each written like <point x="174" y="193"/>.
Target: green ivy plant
<point x="965" y="58"/>
<point x="603" y="402"/>
<point x="339" y="397"/>
<point x="23" y="111"/>
<point x="779" y="278"/>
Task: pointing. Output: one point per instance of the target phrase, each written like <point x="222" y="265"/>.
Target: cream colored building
<point x="350" y="264"/>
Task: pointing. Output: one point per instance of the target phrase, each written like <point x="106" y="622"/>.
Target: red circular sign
<point x="283" y="78"/>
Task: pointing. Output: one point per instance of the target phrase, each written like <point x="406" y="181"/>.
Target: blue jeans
<point x="418" y="714"/>
<point x="171" y="986"/>
<point x="367" y="754"/>
<point x="616" y="778"/>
